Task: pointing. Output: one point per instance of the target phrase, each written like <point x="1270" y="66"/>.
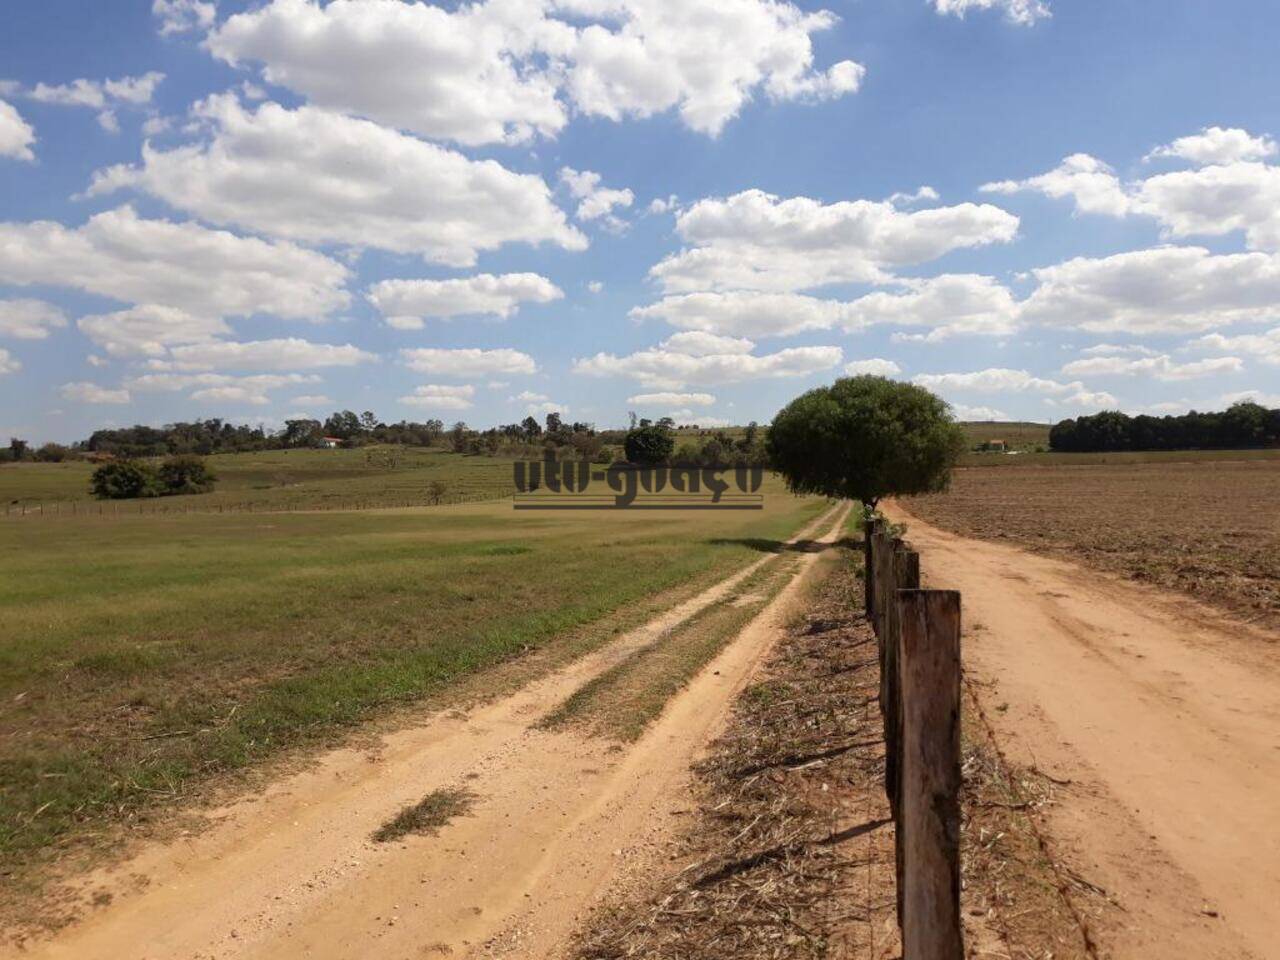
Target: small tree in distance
<point x="865" y="438"/>
<point x="649" y="444"/>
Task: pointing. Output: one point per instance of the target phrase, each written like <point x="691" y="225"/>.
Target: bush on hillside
<point x="650" y="444"/>
<point x="124" y="480"/>
<point x="134" y="479"/>
<point x="183" y="475"/>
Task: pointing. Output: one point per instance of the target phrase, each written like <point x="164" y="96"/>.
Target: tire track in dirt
<point x="1166" y="718"/>
<point x="292" y="872"/>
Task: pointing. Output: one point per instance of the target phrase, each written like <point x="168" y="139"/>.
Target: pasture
<point x="147" y="655"/>
<point x="291" y="479"/>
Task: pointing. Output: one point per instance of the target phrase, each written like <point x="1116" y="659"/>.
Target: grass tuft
<point x="437" y="809"/>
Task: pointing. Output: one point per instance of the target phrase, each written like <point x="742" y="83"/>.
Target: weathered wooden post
<point x="868" y="559"/>
<point x="905" y="576"/>
<point x="884" y="585"/>
<point x="929" y="881"/>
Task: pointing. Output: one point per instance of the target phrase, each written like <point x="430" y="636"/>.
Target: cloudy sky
<point x="700" y="208"/>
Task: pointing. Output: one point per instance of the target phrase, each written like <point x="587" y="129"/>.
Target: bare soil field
<point x="1149" y="724"/>
<point x="1209" y="528"/>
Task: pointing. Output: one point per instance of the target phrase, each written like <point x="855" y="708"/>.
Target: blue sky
<point x="270" y="209"/>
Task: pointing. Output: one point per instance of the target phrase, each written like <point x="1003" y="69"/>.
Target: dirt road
<point x="1164" y="717"/>
<point x="559" y="817"/>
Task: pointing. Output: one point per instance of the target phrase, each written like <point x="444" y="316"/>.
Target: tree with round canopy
<point x="865" y="438"/>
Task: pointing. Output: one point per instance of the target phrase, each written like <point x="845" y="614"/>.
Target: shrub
<point x="649" y="444"/>
<point x="125" y="480"/>
<point x="132" y="479"/>
<point x="185" y="475"/>
<point x="52" y="453"/>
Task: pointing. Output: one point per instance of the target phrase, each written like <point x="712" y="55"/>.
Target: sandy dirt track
<point x="560" y="817"/>
<point x="1165" y="718"/>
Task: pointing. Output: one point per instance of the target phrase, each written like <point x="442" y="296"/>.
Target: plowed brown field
<point x="1209" y="528"/>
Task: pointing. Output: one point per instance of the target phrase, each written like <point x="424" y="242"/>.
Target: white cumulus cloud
<point x="8" y="363"/>
<point x="321" y="177"/>
<point x="698" y="343"/>
<point x="876" y="367"/>
<point x="1022" y="12"/>
<point x="468" y="362"/>
<point x="1161" y="290"/>
<point x="99" y="94"/>
<point x="1216" y="145"/>
<point x="950" y="304"/>
<point x="16" y="135"/>
<point x="665" y="369"/>
<point x="671" y="399"/>
<point x="184" y="265"/>
<point x="406" y="304"/>
<point x="1161" y="367"/>
<point x="92" y="393"/>
<point x="1261" y="346"/>
<point x="994" y="380"/>
<point x="183" y="16"/>
<point x="1088" y="181"/>
<point x="965" y="412"/>
<point x="27" y="319"/>
<point x="1229" y="190"/>
<point x="149" y="330"/>
<point x="757" y="241"/>
<point x="290" y="353"/>
<point x="594" y="199"/>
<point x="502" y="71"/>
<point x="441" y="396"/>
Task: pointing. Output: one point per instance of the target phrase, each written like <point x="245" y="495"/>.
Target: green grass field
<point x="290" y="479"/>
<point x="145" y="655"/>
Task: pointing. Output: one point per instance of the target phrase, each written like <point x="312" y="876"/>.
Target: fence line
<point x="918" y="640"/>
<point x="160" y="506"/>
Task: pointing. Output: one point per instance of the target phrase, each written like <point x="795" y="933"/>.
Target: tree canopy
<point x="865" y="438"/>
<point x="649" y="444"/>
<point x="1243" y="425"/>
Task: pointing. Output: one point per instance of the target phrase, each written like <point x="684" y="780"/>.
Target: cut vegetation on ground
<point x="789" y="852"/>
<point x="428" y="815"/>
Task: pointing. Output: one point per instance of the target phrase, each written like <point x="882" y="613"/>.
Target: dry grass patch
<point x="622" y="702"/>
<point x="437" y="809"/>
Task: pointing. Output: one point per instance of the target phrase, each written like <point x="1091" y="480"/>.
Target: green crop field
<point x="146" y="655"/>
<point x="291" y="479"/>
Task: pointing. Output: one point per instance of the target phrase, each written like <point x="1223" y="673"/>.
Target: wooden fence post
<point x="868" y="558"/>
<point x="905" y="575"/>
<point x="929" y="881"/>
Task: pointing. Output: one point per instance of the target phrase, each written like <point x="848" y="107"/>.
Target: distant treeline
<point x="1242" y="426"/>
<point x="215" y="435"/>
<point x="529" y="437"/>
